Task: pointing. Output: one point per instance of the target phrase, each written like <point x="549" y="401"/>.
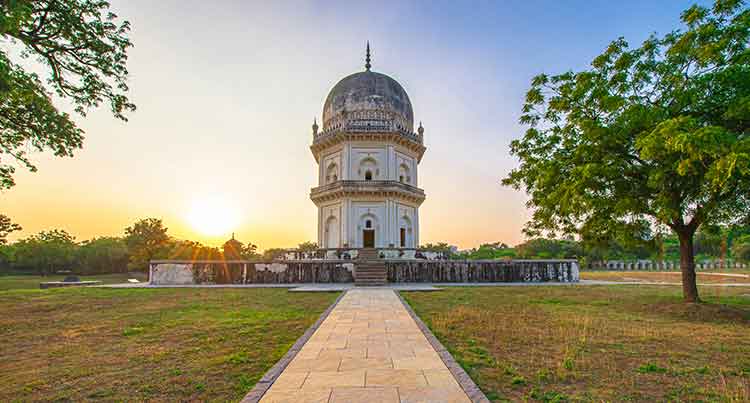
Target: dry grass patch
<point x="733" y="277"/>
<point x="146" y="344"/>
<point x="608" y="343"/>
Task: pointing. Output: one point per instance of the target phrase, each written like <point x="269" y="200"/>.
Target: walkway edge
<point x="270" y="377"/>
<point x="467" y="384"/>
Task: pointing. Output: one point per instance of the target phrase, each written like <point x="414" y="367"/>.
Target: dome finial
<point x="367" y="57"/>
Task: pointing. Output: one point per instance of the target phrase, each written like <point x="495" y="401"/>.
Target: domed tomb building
<point x="368" y="193"/>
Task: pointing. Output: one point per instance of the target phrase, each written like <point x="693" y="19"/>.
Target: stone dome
<point x="368" y="101"/>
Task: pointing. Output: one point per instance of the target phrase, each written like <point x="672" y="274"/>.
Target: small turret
<point x="420" y="130"/>
<point x="315" y="126"/>
<point x="367" y="58"/>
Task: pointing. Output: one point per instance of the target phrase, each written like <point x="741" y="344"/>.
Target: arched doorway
<point x="368" y="235"/>
<point x="368" y="226"/>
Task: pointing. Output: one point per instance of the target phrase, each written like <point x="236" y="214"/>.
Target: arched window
<point x="368" y="167"/>
<point x="403" y="174"/>
<point x="332" y="173"/>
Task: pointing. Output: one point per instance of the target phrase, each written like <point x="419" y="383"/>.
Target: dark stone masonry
<point x="176" y="272"/>
<point x="482" y="271"/>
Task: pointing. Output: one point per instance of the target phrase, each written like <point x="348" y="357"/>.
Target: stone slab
<point x="367" y="349"/>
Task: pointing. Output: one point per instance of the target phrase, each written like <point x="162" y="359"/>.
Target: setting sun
<point x="213" y="216"/>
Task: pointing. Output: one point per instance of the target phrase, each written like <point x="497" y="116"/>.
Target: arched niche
<point x="332" y="173"/>
<point x="404" y="173"/>
<point x="405" y="232"/>
<point x="332" y="232"/>
<point x="368" y="168"/>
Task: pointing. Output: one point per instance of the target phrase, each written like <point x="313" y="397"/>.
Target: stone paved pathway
<point x="367" y="350"/>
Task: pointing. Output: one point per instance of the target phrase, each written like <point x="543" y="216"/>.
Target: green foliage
<point x="6" y="227"/>
<point x="438" y="247"/>
<point x="46" y="252"/>
<point x="488" y="251"/>
<point x="102" y="255"/>
<point x="307" y="246"/>
<point x="647" y="138"/>
<point x="236" y="250"/>
<point x="147" y="239"/>
<point x="273" y="253"/>
<point x="190" y="250"/>
<point x="549" y="249"/>
<point x="83" y="48"/>
<point x="650" y="368"/>
<point x="741" y="249"/>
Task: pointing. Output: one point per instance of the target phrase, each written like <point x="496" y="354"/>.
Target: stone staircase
<point x="370" y="270"/>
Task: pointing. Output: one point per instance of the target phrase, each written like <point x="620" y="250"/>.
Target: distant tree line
<point x="711" y="242"/>
<point x="56" y="250"/>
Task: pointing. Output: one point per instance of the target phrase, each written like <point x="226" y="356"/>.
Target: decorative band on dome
<point x="368" y="120"/>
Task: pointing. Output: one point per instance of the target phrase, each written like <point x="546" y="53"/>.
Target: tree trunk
<point x="687" y="267"/>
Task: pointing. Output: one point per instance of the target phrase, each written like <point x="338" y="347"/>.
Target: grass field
<point x="596" y="343"/>
<point x="733" y="277"/>
<point x="146" y="344"/>
<point x="22" y="281"/>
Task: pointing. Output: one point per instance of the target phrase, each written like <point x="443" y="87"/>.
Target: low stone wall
<point x="246" y="272"/>
<point x="171" y="272"/>
<point x="482" y="271"/>
<point x="659" y="265"/>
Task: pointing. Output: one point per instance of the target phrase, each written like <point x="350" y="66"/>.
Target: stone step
<point x="370" y="270"/>
<point x="368" y="254"/>
<point x="378" y="284"/>
<point x="371" y="273"/>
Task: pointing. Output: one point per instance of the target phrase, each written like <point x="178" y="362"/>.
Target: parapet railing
<point x="415" y="137"/>
<point x="359" y="184"/>
<point x="353" y="253"/>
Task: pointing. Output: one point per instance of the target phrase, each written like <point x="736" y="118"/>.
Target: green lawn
<point x="23" y="281"/>
<point x="596" y="343"/>
<point x="146" y="344"/>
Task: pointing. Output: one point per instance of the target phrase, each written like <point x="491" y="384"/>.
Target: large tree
<point x="83" y="49"/>
<point x="102" y="255"/>
<point x="647" y="138"/>
<point x="146" y="240"/>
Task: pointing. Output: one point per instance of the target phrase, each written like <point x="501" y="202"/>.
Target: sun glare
<point x="213" y="216"/>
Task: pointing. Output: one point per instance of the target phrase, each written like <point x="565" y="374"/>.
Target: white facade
<point x="344" y="220"/>
<point x="368" y="161"/>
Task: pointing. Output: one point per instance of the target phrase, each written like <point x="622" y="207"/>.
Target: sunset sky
<point x="227" y="91"/>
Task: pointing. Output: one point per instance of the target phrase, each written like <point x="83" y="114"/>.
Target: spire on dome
<point x="367" y="57"/>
